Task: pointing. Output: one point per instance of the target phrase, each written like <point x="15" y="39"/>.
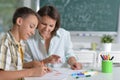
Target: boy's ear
<point x="19" y="21"/>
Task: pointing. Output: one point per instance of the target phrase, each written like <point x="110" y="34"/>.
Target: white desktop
<point x="65" y="74"/>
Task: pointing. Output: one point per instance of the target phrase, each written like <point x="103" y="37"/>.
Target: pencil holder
<point x="107" y="66"/>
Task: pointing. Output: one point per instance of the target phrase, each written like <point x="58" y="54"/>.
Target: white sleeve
<point x="69" y="47"/>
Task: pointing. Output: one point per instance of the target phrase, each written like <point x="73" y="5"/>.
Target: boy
<point x="25" y="21"/>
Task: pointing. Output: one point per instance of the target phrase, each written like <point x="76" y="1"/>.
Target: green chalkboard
<point x="87" y="15"/>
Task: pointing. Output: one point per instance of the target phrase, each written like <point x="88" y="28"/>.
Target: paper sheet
<point x="56" y="74"/>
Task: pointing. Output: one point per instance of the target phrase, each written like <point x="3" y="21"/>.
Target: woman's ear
<point x="19" y="21"/>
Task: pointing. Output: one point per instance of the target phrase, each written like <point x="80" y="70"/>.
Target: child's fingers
<point x="42" y="64"/>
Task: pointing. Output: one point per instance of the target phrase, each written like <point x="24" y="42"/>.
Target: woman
<point x="25" y="21"/>
<point x="50" y="43"/>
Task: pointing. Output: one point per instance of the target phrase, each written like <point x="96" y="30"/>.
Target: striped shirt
<point x="10" y="57"/>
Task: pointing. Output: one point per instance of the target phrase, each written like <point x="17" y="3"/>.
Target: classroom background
<point x="87" y="20"/>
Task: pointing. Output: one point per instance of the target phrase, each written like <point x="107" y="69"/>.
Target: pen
<point x="112" y="58"/>
<point x="108" y="56"/>
<point x="83" y="74"/>
<point x="77" y="75"/>
<point x="102" y="57"/>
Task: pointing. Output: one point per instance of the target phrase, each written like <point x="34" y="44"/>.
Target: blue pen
<point x="80" y="75"/>
<point x="77" y="75"/>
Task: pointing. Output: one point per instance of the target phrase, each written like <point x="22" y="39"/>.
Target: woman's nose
<point x="47" y="28"/>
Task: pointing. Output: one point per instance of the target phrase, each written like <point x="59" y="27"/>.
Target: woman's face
<point x="28" y="26"/>
<point x="46" y="26"/>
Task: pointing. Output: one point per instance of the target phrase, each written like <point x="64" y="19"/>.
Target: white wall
<point x="85" y="41"/>
<point x="90" y="39"/>
<point x="79" y="36"/>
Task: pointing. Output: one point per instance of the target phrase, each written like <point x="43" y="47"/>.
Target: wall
<point x="84" y="42"/>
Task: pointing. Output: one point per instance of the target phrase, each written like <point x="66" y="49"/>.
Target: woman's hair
<point x="52" y="12"/>
<point x="23" y="12"/>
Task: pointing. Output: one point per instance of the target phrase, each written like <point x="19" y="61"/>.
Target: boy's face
<point x="28" y="26"/>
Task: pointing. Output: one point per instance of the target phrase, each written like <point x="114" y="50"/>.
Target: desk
<point x="99" y="76"/>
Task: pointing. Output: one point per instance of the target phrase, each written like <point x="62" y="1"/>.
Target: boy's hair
<point x="23" y="12"/>
<point x="53" y="13"/>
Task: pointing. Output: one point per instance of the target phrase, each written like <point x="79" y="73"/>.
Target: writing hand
<point x="76" y="66"/>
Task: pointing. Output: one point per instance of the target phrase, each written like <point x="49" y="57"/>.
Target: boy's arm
<point x="12" y="75"/>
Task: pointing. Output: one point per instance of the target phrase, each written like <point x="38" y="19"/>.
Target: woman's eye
<point x="51" y="25"/>
<point x="43" y="23"/>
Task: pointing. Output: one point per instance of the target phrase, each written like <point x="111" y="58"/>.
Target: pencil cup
<point x="107" y="66"/>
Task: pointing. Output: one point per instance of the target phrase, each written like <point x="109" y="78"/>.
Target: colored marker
<point x="102" y="57"/>
<point x="77" y="75"/>
<point x="108" y="56"/>
<point x="112" y="58"/>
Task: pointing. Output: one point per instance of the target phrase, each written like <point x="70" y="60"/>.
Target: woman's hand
<point x="76" y="66"/>
<point x="52" y="59"/>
